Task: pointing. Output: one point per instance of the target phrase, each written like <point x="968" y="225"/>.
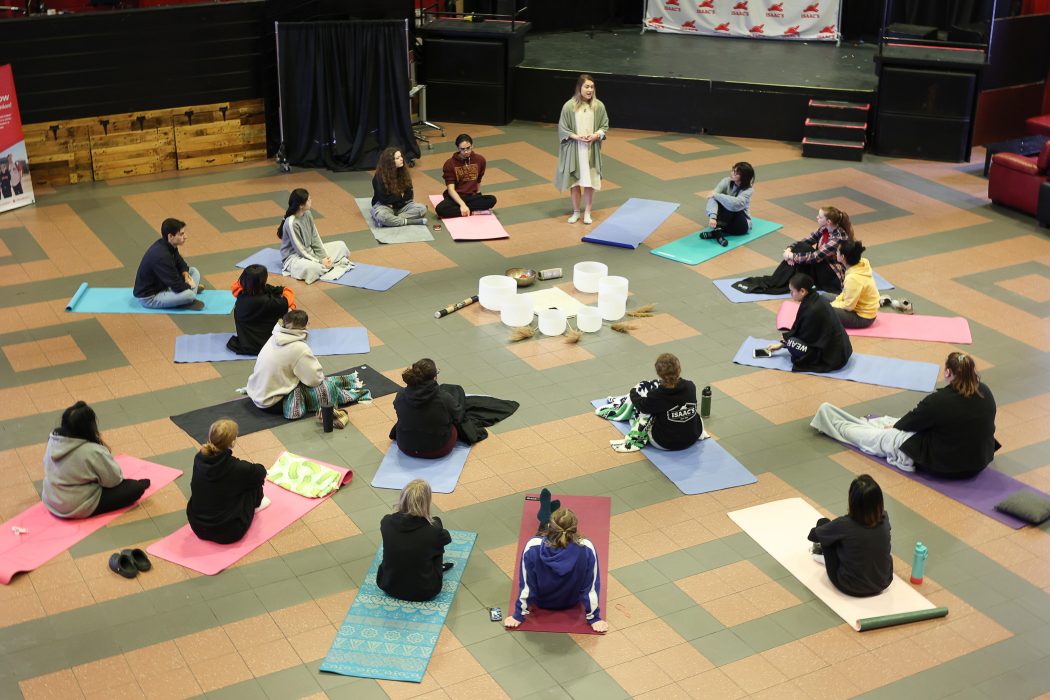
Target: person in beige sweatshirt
<point x="858" y="304"/>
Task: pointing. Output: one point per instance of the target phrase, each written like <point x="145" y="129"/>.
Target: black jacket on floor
<point x="255" y="317"/>
<point x="427" y="412"/>
<point x="954" y="435"/>
<point x="225" y="491"/>
<point x="412" y="556"/>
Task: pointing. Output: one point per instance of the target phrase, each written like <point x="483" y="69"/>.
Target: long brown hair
<point x="965" y="379"/>
<point x="421" y="371"/>
<point x="395" y="180"/>
<point x="562" y="528"/>
<point x="221" y="435"/>
<point x="577" y="98"/>
<point x="839" y="219"/>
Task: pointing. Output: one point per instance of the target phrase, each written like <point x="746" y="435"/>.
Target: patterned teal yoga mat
<point x="693" y="250"/>
<point x="391" y="639"/>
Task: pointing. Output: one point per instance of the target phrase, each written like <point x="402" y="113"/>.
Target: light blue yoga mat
<point x="397" y="469"/>
<point x="866" y="369"/>
<point x="737" y="297"/>
<point x="632" y="223"/>
<point x="121" y="300"/>
<point x="693" y="250"/>
<point x="373" y="277"/>
<point x="705" y="466"/>
<point x="391" y="639"/>
<point x="211" y="347"/>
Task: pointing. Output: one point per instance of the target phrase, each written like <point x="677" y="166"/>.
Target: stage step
<point x="835" y="130"/>
<point x="856" y="112"/>
<point x="834" y="150"/>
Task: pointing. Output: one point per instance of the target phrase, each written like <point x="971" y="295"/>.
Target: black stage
<point x="670" y="82"/>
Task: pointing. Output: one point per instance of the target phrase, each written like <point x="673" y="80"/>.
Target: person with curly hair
<point x="392" y="203"/>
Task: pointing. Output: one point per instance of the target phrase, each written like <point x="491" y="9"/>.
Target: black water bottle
<point x="705" y="402"/>
<point x="327" y="418"/>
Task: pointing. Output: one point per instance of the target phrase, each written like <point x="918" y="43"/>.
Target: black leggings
<point x="123" y="494"/>
<point x="732" y="223"/>
<point x="448" y="209"/>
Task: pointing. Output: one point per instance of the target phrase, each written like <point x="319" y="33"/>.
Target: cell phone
<point x="761" y="352"/>
<point x="495" y="614"/>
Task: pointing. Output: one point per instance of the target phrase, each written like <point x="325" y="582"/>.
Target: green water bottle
<point x="918" y="563"/>
<point x="705" y="402"/>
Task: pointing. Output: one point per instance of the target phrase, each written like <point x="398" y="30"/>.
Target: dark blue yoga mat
<point x="211" y="347"/>
<point x="737" y="297"/>
<point x="632" y="223"/>
<point x="121" y="300"/>
<point x="374" y="277"/>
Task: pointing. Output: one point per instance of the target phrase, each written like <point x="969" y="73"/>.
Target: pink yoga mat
<point x="937" y="329"/>
<point x="593" y="513"/>
<point x="480" y="226"/>
<point x="186" y="549"/>
<point x="48" y="536"/>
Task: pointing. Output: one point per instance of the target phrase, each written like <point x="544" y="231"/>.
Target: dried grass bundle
<point x="642" y="311"/>
<point x="623" y="327"/>
<point x="573" y="335"/>
<point x="521" y="333"/>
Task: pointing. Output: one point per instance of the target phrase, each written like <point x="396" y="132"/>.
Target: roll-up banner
<point x="16" y="187"/>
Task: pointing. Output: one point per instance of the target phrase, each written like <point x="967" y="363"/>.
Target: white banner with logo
<point x="758" y="19"/>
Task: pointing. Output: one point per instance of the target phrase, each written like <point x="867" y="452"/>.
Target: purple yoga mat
<point x="981" y="492"/>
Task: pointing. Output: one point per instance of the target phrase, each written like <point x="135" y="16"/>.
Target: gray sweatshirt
<point x="75" y="471"/>
<point x="299" y="236"/>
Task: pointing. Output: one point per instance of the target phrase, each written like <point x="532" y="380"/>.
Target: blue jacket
<point x="557" y="578"/>
<point x="161" y="268"/>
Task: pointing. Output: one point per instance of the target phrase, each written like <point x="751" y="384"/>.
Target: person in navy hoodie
<point x="559" y="570"/>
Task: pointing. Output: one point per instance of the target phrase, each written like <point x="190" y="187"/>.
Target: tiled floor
<point x="696" y="609"/>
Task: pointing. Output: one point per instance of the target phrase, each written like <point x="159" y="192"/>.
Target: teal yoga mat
<point x="692" y="250"/>
<point x="120" y="300"/>
<point x="391" y="639"/>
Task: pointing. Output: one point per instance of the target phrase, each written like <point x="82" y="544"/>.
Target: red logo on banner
<point x="740" y="8"/>
<point x="775" y="10"/>
<point x="758" y="29"/>
<point x="722" y="27"/>
<point x="828" y="30"/>
<point x="792" y="31"/>
<point x="705" y="7"/>
<point x="811" y="11"/>
<point x="656" y="20"/>
<point x="672" y="6"/>
<point x="689" y="26"/>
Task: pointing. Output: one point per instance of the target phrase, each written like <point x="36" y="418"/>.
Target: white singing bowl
<point x="613" y="307"/>
<point x="585" y="275"/>
<point x="516" y="311"/>
<point x="612" y="284"/>
<point x="552" y="322"/>
<point x="495" y="290"/>
<point x="589" y="319"/>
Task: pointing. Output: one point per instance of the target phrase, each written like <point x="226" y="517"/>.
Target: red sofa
<point x="1015" y="180"/>
<point x="1041" y="124"/>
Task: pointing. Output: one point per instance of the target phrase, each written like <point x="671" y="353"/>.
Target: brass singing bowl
<point x="522" y="275"/>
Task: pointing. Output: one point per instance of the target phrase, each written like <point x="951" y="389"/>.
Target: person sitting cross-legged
<point x="164" y="280"/>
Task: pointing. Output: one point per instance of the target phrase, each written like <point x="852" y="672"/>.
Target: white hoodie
<point x="283" y="362"/>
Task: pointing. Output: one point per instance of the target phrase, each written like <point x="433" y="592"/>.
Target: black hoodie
<point x="817" y="341"/>
<point x="676" y="422"/>
<point x="412" y="556"/>
<point x="424" y="418"/>
<point x="225" y="491"/>
<point x="254" y="316"/>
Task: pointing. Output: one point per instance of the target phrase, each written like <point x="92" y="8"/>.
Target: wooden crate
<point x="126" y="154"/>
<point x="51" y="161"/>
<point x="214" y="143"/>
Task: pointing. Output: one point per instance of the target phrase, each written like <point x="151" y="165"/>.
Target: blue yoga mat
<point x="693" y="250"/>
<point x="211" y="347"/>
<point x="866" y="369"/>
<point x="632" y="223"/>
<point x="121" y="300"/>
<point x="373" y="277"/>
<point x="397" y="469"/>
<point x="390" y="639"/>
<point x="737" y="297"/>
<point x="704" y="467"/>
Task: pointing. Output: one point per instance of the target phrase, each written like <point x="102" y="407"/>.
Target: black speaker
<point x="468" y="61"/>
<point x="930" y="93"/>
<point x="928" y="138"/>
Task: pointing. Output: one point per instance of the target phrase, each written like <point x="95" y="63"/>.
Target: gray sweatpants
<point x="386" y="216"/>
<point x="309" y="271"/>
<point x="874" y="436"/>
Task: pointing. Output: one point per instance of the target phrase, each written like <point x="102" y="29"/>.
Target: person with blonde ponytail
<point x="226" y="492"/>
<point x="559" y="571"/>
<point x="413" y="547"/>
<point x="951" y="433"/>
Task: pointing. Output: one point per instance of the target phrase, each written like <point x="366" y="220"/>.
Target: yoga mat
<point x="390" y="639"/>
<point x="937" y="329"/>
<point x="184" y="548"/>
<point x="211" y="347"/>
<point x="48" y="536"/>
<point x="413" y="233"/>
<point x="693" y="250"/>
<point x="251" y="419"/>
<point x="737" y="297"/>
<point x="479" y="226"/>
<point x="121" y="300"/>
<point x="866" y="369"/>
<point x="981" y="492"/>
<point x="397" y="469"/>
<point x="593" y="513"/>
<point x="703" y="467"/>
<point x="362" y="275"/>
<point x="632" y="223"/>
<point x="781" y="528"/>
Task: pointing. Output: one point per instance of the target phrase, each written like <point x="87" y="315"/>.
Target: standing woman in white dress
<point x="581" y="130"/>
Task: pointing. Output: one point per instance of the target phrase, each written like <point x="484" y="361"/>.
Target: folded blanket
<point x="300" y="475"/>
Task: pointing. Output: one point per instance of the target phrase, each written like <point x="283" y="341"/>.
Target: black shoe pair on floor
<point x="447" y="565"/>
<point x="129" y="562"/>
<point x="715" y="234"/>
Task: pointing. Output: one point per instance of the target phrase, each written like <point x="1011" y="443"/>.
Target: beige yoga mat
<point x="781" y="528"/>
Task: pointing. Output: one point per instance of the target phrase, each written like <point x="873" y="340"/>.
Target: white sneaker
<point x="818" y="554"/>
<point x="587" y="218"/>
<point x="263" y="504"/>
<point x="575" y="217"/>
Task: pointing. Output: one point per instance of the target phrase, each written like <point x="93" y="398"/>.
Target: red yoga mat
<point x="936" y="329"/>
<point x="184" y="548"/>
<point x="593" y="513"/>
<point x="480" y="226"/>
<point x="48" y="536"/>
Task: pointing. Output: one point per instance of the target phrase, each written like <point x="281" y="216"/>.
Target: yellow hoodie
<point x="859" y="293"/>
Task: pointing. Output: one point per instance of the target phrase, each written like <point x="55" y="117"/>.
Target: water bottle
<point x="918" y="564"/>
<point x="705" y="402"/>
<point x="327" y="418"/>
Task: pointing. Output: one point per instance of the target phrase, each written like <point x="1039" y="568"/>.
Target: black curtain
<point x="344" y="93"/>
